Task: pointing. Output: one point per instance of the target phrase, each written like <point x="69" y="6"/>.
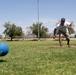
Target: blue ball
<point x="4" y="48"/>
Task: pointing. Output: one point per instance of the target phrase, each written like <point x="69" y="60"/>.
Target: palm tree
<point x="42" y="29"/>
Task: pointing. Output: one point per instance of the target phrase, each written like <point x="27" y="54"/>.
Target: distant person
<point x="62" y="29"/>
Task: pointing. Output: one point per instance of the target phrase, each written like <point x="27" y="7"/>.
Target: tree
<point x="28" y="30"/>
<point x="71" y="31"/>
<point x="42" y="29"/>
<point x="12" y="30"/>
<point x="0" y="36"/>
<point x="19" y="31"/>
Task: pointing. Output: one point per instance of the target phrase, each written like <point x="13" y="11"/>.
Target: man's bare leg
<point x="68" y="42"/>
<point x="54" y="33"/>
<point x="60" y="40"/>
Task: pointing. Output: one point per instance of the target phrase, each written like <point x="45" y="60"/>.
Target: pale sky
<point x="24" y="12"/>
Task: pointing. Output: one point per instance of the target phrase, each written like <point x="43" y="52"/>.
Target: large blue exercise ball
<point x="4" y="48"/>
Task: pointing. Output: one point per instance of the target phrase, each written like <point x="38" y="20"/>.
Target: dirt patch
<point x="57" y="46"/>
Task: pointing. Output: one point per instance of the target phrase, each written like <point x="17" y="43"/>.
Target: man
<point x="62" y="29"/>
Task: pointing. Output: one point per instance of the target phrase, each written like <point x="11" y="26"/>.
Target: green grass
<point x="39" y="58"/>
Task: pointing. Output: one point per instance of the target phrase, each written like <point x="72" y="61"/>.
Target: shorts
<point x="63" y="33"/>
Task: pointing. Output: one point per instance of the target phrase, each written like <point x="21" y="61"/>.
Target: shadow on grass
<point x="3" y="61"/>
<point x="12" y="40"/>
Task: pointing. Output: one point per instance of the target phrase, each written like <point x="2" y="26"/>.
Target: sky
<point x="25" y="12"/>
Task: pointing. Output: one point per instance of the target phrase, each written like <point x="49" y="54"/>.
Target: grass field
<point x="39" y="58"/>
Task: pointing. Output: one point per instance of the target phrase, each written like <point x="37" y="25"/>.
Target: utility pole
<point x="38" y="20"/>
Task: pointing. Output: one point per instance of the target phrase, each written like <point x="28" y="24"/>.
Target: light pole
<point x="38" y="20"/>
